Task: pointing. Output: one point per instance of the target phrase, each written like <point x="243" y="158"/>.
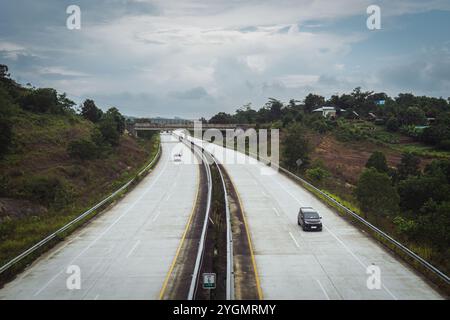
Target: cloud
<point x="427" y="72"/>
<point x="298" y="80"/>
<point x="191" y="94"/>
<point x="194" y="58"/>
<point x="11" y="51"/>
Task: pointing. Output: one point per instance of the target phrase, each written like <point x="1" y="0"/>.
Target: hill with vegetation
<point x="57" y="161"/>
<point x="388" y="159"/>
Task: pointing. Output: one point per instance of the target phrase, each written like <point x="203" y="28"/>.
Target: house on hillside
<point x="327" y="111"/>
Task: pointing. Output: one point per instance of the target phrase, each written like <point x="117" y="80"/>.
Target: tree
<point x="434" y="224"/>
<point x="408" y="166"/>
<point x="5" y="136"/>
<point x="4" y="71"/>
<point x="392" y="124"/>
<point x="221" y="117"/>
<point x="108" y="129"/>
<point x="313" y="101"/>
<point x="439" y="168"/>
<point x="296" y="147"/>
<point x="65" y="103"/>
<point x="415" y="191"/>
<point x="360" y="101"/>
<point x="41" y="100"/>
<point x="90" y="111"/>
<point x="377" y="161"/>
<point x="438" y="132"/>
<point x="375" y="193"/>
<point x="275" y="107"/>
<point x="413" y="116"/>
<point x="118" y="118"/>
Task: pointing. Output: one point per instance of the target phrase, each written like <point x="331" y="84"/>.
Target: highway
<point x="293" y="264"/>
<point x="126" y="252"/>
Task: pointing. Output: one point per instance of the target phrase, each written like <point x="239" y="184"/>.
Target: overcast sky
<point x="192" y="58"/>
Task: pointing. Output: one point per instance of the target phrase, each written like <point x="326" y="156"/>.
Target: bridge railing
<point x="148" y="125"/>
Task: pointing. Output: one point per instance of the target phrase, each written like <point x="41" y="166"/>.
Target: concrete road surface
<point x="294" y="264"/>
<point x="126" y="252"/>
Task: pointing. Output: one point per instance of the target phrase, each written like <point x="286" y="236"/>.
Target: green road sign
<point x="209" y="281"/>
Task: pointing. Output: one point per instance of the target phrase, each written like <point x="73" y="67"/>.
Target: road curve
<point x="293" y="264"/>
<point x="126" y="252"/>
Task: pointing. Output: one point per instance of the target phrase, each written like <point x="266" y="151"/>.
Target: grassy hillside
<point x="42" y="185"/>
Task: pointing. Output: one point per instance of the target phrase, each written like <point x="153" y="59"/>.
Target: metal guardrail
<point x="230" y="268"/>
<point x="201" y="246"/>
<point x="396" y="243"/>
<point x="79" y="218"/>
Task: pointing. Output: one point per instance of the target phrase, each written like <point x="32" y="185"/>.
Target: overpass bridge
<point x="149" y="126"/>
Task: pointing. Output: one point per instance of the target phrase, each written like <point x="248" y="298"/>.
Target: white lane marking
<point x="48" y="283"/>
<point x="323" y="289"/>
<point x="345" y="247"/>
<point x="276" y="211"/>
<point x="157" y="215"/>
<point x="341" y="242"/>
<point x="389" y="291"/>
<point x="264" y="194"/>
<point x="357" y="259"/>
<point x="94" y="267"/>
<point x="133" y="248"/>
<point x="106" y="230"/>
<point x="96" y="297"/>
<point x="295" y="241"/>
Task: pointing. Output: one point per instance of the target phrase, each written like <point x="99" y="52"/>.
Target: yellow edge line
<point x="255" y="269"/>
<point x="172" y="266"/>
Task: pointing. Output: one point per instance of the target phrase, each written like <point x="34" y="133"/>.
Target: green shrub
<point x="350" y="133"/>
<point x="108" y="129"/>
<point x="83" y="149"/>
<point x="5" y="136"/>
<point x="296" y="147"/>
<point x="321" y="125"/>
<point x="41" y="100"/>
<point x="376" y="194"/>
<point x="392" y="124"/>
<point x="405" y="226"/>
<point x="444" y="145"/>
<point x="146" y="134"/>
<point x="51" y="191"/>
<point x="377" y="161"/>
<point x="317" y="174"/>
